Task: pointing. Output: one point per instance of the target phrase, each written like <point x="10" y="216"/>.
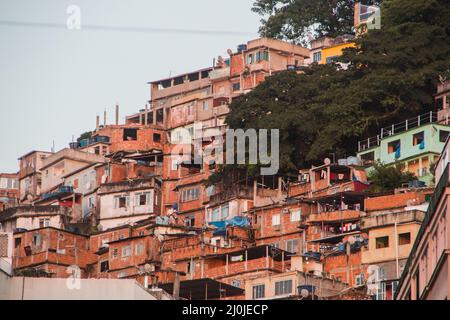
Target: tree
<point x="296" y="20"/>
<point x="85" y="135"/>
<point x="392" y="75"/>
<point x="388" y="177"/>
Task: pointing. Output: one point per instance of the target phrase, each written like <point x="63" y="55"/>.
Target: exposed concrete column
<point x="176" y="286"/>
<point x="146" y="115"/>
<point x="246" y="260"/>
<point x="226" y="264"/>
<point x="97" y="123"/>
<point x="117" y="114"/>
<point x="420" y="167"/>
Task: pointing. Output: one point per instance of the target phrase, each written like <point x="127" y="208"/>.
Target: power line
<point x="10" y="23"/>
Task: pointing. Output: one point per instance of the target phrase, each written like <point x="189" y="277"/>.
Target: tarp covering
<point x="235" y="222"/>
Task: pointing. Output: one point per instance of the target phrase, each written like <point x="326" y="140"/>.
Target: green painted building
<point x="416" y="143"/>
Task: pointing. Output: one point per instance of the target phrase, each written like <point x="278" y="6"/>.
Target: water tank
<point x="241" y="47"/>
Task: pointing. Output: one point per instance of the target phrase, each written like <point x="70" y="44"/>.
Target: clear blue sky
<point x="54" y="81"/>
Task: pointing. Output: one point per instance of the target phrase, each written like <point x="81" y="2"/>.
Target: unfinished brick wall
<point x="393" y="201"/>
<point x="345" y="267"/>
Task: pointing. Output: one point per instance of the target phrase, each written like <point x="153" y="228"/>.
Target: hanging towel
<point x="422" y="145"/>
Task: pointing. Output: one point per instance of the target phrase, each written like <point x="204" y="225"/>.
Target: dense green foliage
<point x="85" y="135"/>
<point x="392" y="76"/>
<point x="386" y="178"/>
<point x="296" y="20"/>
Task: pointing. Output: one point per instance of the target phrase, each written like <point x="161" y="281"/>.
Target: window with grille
<point x="283" y="287"/>
<point x="259" y="291"/>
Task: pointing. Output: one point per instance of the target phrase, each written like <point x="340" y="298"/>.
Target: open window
<point x="382" y="242"/>
<point x="157" y="137"/>
<point x="130" y="134"/>
<point x="104" y="266"/>
<point x="404" y="238"/>
<point x="443" y="135"/>
<point x="418" y="138"/>
<point x="368" y="157"/>
<point x="394" y="146"/>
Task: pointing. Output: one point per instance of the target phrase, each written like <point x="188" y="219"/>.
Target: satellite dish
<point x="327" y="161"/>
<point x="304" y="293"/>
<point x="149" y="268"/>
<point x="230" y="52"/>
<point x="351" y="239"/>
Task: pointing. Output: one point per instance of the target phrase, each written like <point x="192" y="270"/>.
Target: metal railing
<point x="397" y="128"/>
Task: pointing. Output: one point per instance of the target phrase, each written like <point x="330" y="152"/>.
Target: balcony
<point x="335" y="216"/>
<point x="397" y="128"/>
<point x="391" y="218"/>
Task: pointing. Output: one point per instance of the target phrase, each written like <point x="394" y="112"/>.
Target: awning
<point x="204" y="289"/>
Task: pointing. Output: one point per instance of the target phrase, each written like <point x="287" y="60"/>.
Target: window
<point x="220" y="213"/>
<point x="37" y="239"/>
<point x="44" y="223"/>
<point x="359" y="280"/>
<point x="190" y="221"/>
<point x="139" y="249"/>
<point x="283" y="287"/>
<point x="174" y="165"/>
<point x="292" y="246"/>
<point x="368" y="157"/>
<point x="17" y="242"/>
<point x="189" y="195"/>
<point x="104" y="266"/>
<point x="126" y="251"/>
<point x="262" y="55"/>
<point x="393" y="146"/>
<point x="115" y="253"/>
<point x="317" y="56"/>
<point x="381" y="291"/>
<point x="295" y="215"/>
<point x="276" y="220"/>
<point x="156" y="137"/>
<point x="189" y="268"/>
<point x="121" y="202"/>
<point x="143" y="199"/>
<point x="404" y="238"/>
<point x="418" y="138"/>
<point x="236" y="86"/>
<point x="250" y="58"/>
<point x="129" y="134"/>
<point x="382" y="242"/>
<point x="259" y="291"/>
<point x="236" y="283"/>
<point x="443" y="134"/>
<point x="205" y="105"/>
<point x="394" y="288"/>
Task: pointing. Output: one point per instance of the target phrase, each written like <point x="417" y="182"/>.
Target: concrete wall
<point x="20" y="288"/>
<point x="324" y="287"/>
<point x="374" y="255"/>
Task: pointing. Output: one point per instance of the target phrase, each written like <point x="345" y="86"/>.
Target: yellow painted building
<point x="335" y="51"/>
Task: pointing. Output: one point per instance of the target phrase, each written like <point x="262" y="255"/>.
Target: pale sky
<point x="54" y="81"/>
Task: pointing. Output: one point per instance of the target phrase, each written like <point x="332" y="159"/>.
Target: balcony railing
<point x="394" y="129"/>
